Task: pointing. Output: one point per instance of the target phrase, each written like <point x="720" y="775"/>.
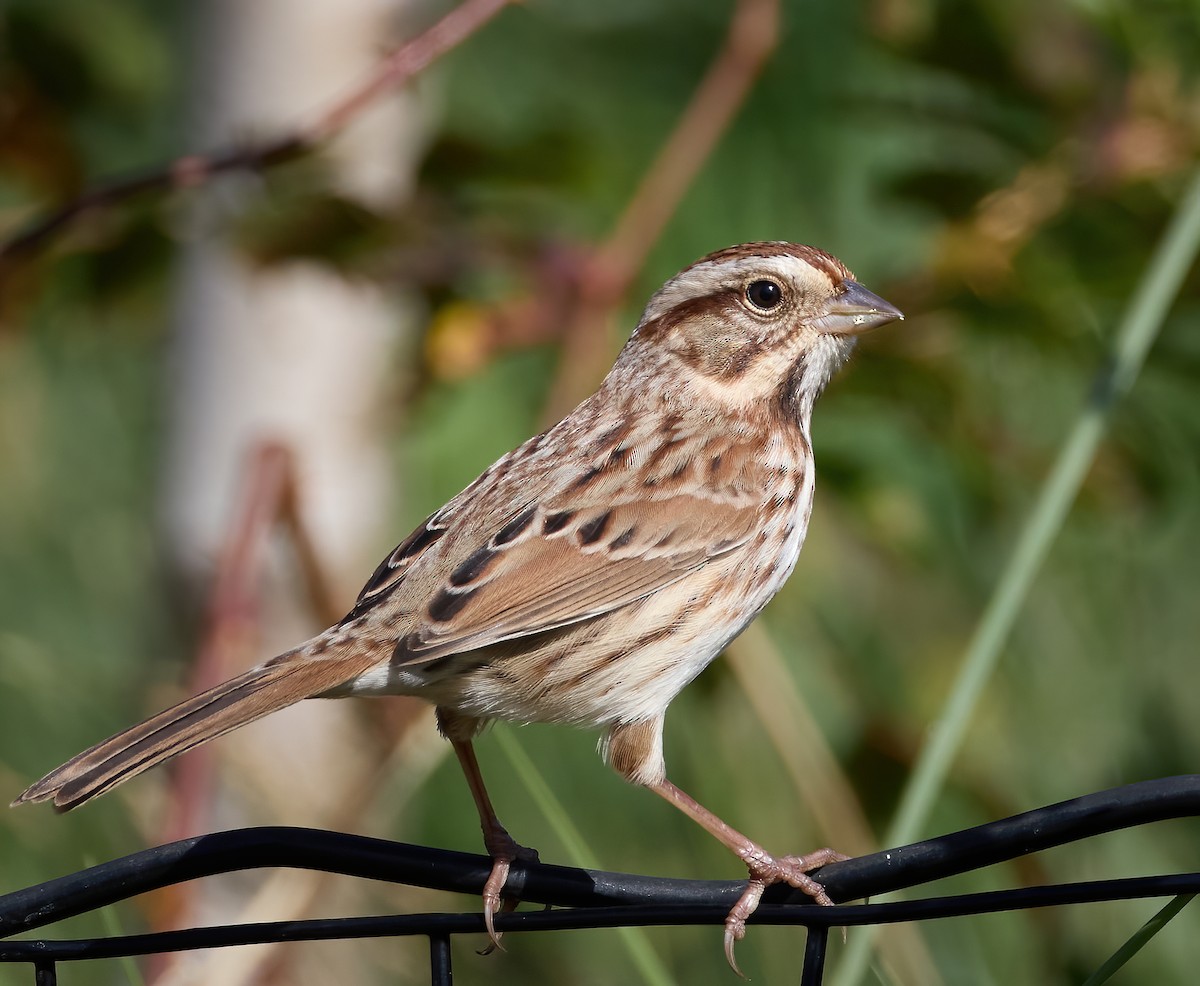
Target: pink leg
<point x="765" y="869"/>
<point x="499" y="844"/>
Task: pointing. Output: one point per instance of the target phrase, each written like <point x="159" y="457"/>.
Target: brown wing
<point x="547" y="568"/>
<point x="535" y="544"/>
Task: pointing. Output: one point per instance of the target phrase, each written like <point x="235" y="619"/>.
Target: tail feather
<point x="233" y="703"/>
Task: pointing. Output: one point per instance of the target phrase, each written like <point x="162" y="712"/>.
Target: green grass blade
<point x="1138" y="939"/>
<point x="642" y="953"/>
<point x="1159" y="285"/>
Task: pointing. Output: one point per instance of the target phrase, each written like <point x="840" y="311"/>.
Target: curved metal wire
<point x="585" y="898"/>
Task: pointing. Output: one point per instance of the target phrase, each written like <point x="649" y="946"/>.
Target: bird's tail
<point x="279" y="683"/>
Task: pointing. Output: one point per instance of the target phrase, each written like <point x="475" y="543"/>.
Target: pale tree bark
<point x="293" y="353"/>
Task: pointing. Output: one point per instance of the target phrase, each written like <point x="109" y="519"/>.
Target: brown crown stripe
<point x="834" y="268"/>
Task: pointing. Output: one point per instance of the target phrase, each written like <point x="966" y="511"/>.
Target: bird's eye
<point x="764" y="295"/>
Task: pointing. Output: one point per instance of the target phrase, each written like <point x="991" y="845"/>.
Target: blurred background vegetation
<point x="1000" y="169"/>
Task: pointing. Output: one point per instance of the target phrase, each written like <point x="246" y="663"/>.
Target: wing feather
<point x="542" y="582"/>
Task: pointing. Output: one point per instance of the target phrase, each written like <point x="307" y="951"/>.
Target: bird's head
<point x="762" y="319"/>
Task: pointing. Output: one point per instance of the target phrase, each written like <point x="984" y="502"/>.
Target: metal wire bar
<point x="440" y="973"/>
<point x="586" y="898"/>
<point x="437" y="925"/>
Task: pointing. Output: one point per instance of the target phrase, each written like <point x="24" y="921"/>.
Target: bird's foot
<point x="504" y="852"/>
<point x="765" y="871"/>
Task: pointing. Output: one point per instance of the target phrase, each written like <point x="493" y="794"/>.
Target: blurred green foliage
<point x="999" y="169"/>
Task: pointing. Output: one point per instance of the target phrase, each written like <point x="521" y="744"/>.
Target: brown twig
<point x="752" y="36"/>
<point x="195" y="169"/>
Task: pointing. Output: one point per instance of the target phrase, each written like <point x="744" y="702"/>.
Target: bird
<point x="587" y="576"/>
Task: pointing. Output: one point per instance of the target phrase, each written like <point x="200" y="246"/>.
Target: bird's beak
<point x="855" y="310"/>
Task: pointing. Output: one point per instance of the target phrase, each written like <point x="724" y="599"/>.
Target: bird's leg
<point x="499" y="844"/>
<point x="634" y="750"/>
<point x="765" y="869"/>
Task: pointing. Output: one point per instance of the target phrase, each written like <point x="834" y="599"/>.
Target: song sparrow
<point x="587" y="576"/>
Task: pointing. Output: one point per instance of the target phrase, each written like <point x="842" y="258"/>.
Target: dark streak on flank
<point x="503" y="674"/>
<point x="555" y="522"/>
<point x="512" y="530"/>
<point x="593" y="530"/>
<point x="446" y="605"/>
<point x="651" y="637"/>
<point x="546" y="665"/>
<point x="476" y="565"/>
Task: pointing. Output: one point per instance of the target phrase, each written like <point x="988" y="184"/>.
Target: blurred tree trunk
<point x="294" y="353"/>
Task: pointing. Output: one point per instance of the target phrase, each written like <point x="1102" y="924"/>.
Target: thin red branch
<point x="392" y="72"/>
<point x="606" y="277"/>
<point x="752" y="37"/>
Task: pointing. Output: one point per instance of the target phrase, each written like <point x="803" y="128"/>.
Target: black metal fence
<point x="576" y="898"/>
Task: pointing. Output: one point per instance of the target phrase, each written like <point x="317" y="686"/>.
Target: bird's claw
<point x="504" y="852"/>
<point x="765" y="871"/>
